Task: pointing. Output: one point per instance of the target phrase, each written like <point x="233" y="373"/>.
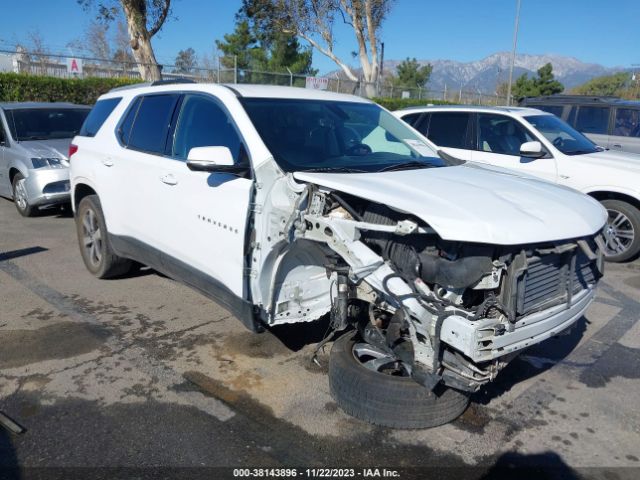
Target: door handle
<point x="107" y="162"/>
<point x="618" y="146"/>
<point x="169" y="179"/>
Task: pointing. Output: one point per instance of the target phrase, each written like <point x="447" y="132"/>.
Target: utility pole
<point x="513" y="52"/>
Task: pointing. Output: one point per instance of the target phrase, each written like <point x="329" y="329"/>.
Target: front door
<point x="204" y="215"/>
<point x="499" y="138"/>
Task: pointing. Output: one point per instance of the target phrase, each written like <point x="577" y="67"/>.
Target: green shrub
<point x="18" y="87"/>
<point x="398" y="103"/>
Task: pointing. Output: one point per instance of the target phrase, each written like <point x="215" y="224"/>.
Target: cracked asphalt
<point x="144" y="372"/>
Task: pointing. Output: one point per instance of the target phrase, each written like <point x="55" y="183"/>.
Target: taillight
<point x="72" y="149"/>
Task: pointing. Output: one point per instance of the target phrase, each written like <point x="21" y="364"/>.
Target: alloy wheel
<point x="377" y="360"/>
<point x="619" y="233"/>
<point x="92" y="237"/>
<point x="20" y="194"/>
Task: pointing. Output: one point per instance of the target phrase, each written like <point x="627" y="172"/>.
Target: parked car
<point x="287" y="205"/>
<point x="540" y="144"/>
<point x="609" y="121"/>
<point x="34" y="141"/>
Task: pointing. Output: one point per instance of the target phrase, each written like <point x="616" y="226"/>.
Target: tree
<point x="543" y="84"/>
<point x="314" y="21"/>
<point x="606" y="85"/>
<point x="257" y="45"/>
<point x="186" y="61"/>
<point x="144" y="19"/>
<point x="409" y="73"/>
<point x="38" y="53"/>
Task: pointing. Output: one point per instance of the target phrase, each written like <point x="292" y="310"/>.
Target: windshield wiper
<point x="334" y="170"/>
<point x="407" y="166"/>
<point x="579" y="152"/>
<point x="34" y="137"/>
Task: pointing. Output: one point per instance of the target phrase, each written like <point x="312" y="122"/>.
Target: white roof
<point x="514" y="111"/>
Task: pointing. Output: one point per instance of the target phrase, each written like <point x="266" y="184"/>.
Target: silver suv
<point x="34" y="141"/>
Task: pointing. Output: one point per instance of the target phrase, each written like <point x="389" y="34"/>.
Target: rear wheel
<point x="622" y="231"/>
<point x="370" y="385"/>
<point x="20" y="197"/>
<point x="96" y="250"/>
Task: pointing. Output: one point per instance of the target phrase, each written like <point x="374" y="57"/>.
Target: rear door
<point x="449" y="130"/>
<point x="498" y="141"/>
<point x="625" y="135"/>
<point x="136" y="187"/>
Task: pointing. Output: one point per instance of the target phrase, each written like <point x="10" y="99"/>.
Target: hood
<point x="472" y="204"/>
<point x="624" y="162"/>
<point x="54" y="148"/>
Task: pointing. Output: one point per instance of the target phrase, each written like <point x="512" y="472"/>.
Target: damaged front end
<point x="439" y="311"/>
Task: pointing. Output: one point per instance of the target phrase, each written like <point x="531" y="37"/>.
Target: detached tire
<point x="386" y="400"/>
<point x="623" y="225"/>
<point x="93" y="240"/>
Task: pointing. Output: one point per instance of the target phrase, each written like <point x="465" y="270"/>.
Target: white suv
<point x="287" y="204"/>
<point x="540" y="144"/>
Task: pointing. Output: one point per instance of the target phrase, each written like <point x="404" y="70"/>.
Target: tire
<point x="386" y="400"/>
<point x="93" y="240"/>
<point x="623" y="228"/>
<point x="20" y="198"/>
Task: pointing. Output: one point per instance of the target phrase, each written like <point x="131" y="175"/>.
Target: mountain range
<point x="484" y="75"/>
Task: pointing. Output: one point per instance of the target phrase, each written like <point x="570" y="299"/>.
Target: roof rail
<point x="172" y="81"/>
<point x="128" y="87"/>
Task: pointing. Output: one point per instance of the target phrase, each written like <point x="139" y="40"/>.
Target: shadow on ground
<point x="540" y="466"/>
<point x="532" y="362"/>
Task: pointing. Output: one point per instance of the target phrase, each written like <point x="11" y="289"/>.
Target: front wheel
<point x="622" y="231"/>
<point x="378" y="390"/>
<point x="20" y="197"/>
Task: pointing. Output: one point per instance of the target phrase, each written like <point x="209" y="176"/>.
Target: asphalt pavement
<point x="143" y="374"/>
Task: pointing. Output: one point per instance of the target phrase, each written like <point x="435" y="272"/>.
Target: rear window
<point x="46" y="123"/>
<point x="99" y="114"/>
<point x="151" y="123"/>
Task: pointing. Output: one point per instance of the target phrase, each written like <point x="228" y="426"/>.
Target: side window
<point x="98" y="115"/>
<point x="501" y="134"/>
<point x="412" y="119"/>
<point x="627" y="122"/>
<point x="554" y="109"/>
<point x="3" y="137"/>
<point x="592" y="120"/>
<point x="449" y="129"/>
<point x="124" y="130"/>
<point x="203" y="123"/>
<point x="151" y="124"/>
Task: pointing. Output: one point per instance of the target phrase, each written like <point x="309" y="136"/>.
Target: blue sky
<point x="598" y="31"/>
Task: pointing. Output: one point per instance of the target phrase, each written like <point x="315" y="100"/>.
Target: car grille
<point x="554" y="278"/>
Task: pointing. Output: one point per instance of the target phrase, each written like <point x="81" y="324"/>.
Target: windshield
<point x="563" y="137"/>
<point x="322" y="135"/>
<point x="46" y="123"/>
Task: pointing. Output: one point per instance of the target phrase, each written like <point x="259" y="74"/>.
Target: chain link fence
<point x="57" y="66"/>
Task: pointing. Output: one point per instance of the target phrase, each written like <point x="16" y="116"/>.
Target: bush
<point x="18" y="87"/>
<point x="398" y="103"/>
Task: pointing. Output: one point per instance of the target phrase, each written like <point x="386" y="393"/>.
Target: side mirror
<point x="202" y="158"/>
<point x="532" y="150"/>
<point x="214" y="160"/>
